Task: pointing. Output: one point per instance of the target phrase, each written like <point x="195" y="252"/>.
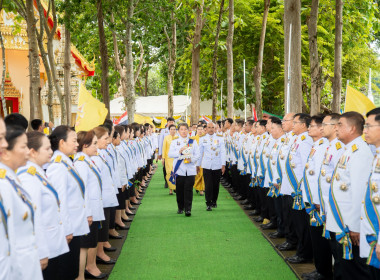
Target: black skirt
<point x="104" y="226"/>
<point x="90" y="240"/>
<point x="121" y="200"/>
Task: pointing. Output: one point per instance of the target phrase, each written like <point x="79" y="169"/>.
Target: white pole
<point x="221" y="101"/>
<point x="370" y="95"/>
<point x="187" y="100"/>
<point x="345" y="99"/>
<point x="289" y="69"/>
<point x="245" y="94"/>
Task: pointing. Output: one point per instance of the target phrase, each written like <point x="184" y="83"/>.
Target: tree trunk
<point x="337" y="84"/>
<point x="292" y="15"/>
<point x="215" y="63"/>
<point x="259" y="66"/>
<point x="3" y="103"/>
<point x="130" y="81"/>
<point x="146" y="81"/>
<point x="315" y="70"/>
<point x="172" y="49"/>
<point x="104" y="88"/>
<point x="67" y="74"/>
<point x="34" y="61"/>
<point x="230" y="61"/>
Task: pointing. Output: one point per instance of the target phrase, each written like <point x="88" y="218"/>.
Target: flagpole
<point x="187" y="100"/>
<point x="345" y="99"/>
<point x="370" y="96"/>
<point x="245" y="94"/>
<point x="221" y="101"/>
<point x="289" y="69"/>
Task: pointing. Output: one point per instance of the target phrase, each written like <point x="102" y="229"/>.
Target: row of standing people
<point x="63" y="196"/>
<point x="316" y="181"/>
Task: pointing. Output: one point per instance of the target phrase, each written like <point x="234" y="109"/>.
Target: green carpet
<point x="222" y="244"/>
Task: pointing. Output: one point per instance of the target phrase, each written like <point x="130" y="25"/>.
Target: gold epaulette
<point x="293" y="133"/>
<point x="354" y="148"/>
<point x="303" y="137"/>
<point x="264" y="136"/>
<point x="321" y="142"/>
<point x="32" y="170"/>
<point x="175" y="137"/>
<point x="3" y="172"/>
<point x="81" y="158"/>
<point x="282" y="139"/>
<point x="338" y="145"/>
<point x="71" y="156"/>
<point x="220" y="135"/>
<point x="58" y="159"/>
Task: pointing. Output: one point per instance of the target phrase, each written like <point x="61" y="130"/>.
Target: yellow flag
<point x="91" y="112"/>
<point x="357" y="101"/>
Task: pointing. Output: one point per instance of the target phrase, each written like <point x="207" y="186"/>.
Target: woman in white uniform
<point x="25" y="261"/>
<point x="50" y="235"/>
<point x="71" y="191"/>
<point x="90" y="173"/>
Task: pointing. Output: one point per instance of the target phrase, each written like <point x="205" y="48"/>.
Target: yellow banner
<point x="357" y="101"/>
<point x="91" y="112"/>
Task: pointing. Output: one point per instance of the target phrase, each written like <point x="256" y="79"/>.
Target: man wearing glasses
<point x="347" y="192"/>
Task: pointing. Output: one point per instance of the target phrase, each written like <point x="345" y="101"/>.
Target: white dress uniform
<point x="296" y="161"/>
<point x="348" y="188"/>
<point x="185" y="169"/>
<point x="370" y="223"/>
<point x="260" y="164"/>
<point x="5" y="257"/>
<point x="284" y="185"/>
<point x="212" y="152"/>
<point x="25" y="261"/>
<point x="252" y="155"/>
<point x="161" y="138"/>
<point x="241" y="151"/>
<point x="70" y="187"/>
<point x="111" y="157"/>
<point x="108" y="188"/>
<point x="49" y="228"/>
<point x="272" y="168"/>
<point x="91" y="177"/>
<point x="267" y="149"/>
<point x="122" y="165"/>
<point x="331" y="156"/>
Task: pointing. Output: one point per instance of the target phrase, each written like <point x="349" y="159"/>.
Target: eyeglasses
<point x="369" y="126"/>
<point x="326" y="124"/>
<point x="297" y="122"/>
<point x="313" y="125"/>
<point x="286" y="120"/>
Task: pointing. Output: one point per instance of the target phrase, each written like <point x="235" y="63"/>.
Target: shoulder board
<point x="321" y="142"/>
<point x="338" y="145"/>
<point x="81" y="158"/>
<point x="175" y="137"/>
<point x="193" y="137"/>
<point x="58" y="159"/>
<point x="354" y="148"/>
<point x="220" y="135"/>
<point x="293" y="133"/>
<point x="32" y="170"/>
<point x="282" y="139"/>
<point x="264" y="136"/>
<point x="303" y="137"/>
<point x="3" y="172"/>
<point x="71" y="156"/>
<point x="258" y="137"/>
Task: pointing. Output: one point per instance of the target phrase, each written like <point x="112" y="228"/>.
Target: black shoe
<point x="209" y="208"/>
<point x="297" y="259"/>
<point x="259" y="219"/>
<point x="121" y="227"/>
<point x="131" y="214"/>
<point x="239" y="197"/>
<point x="100" y="260"/>
<point x="244" y="202"/>
<point x="286" y="247"/>
<point x="201" y="194"/>
<point x="214" y="205"/>
<point x="110" y="249"/>
<point x="309" y="275"/>
<point x="131" y="208"/>
<point x="254" y="213"/>
<point x="138" y="203"/>
<point x="315" y="275"/>
<point x="276" y="234"/>
<point x="248" y="207"/>
<point x="115" y="236"/>
<point x="188" y="213"/>
<point x="139" y="198"/>
<point x="269" y="225"/>
<point x="88" y="275"/>
<point x="180" y="211"/>
<point x="170" y="193"/>
<point x="127" y="220"/>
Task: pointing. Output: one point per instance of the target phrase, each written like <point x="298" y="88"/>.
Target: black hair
<point x="276" y="120"/>
<point x="115" y="134"/>
<point x="13" y="132"/>
<point x="16" y="119"/>
<point x="170" y="126"/>
<point x="136" y="127"/>
<point x="318" y="119"/>
<point x="35" y="139"/>
<point x="239" y="122"/>
<point x="183" y="124"/>
<point x="231" y="121"/>
<point x="250" y="122"/>
<point x="170" y="119"/>
<point x="375" y="112"/>
<point x="120" y="129"/>
<point x="35" y="124"/>
<point x="108" y="127"/>
<point x="303" y="118"/>
<point x="59" y="133"/>
<point x="355" y="119"/>
<point x="334" y="116"/>
<point x="262" y="122"/>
